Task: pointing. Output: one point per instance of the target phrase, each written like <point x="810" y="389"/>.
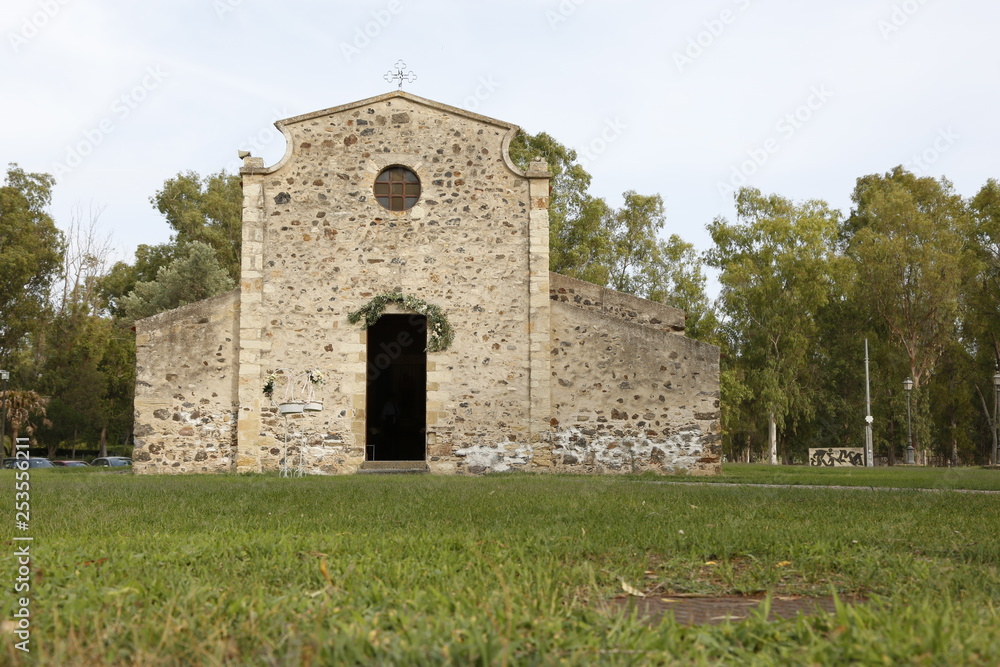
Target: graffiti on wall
<point x="836" y="457"/>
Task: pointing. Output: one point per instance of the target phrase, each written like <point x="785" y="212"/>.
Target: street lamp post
<point x="908" y="386"/>
<point x="4" y="375"/>
<point x="869" y="453"/>
<point x="996" y="413"/>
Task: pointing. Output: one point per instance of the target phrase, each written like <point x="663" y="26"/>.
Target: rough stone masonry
<point x="544" y="373"/>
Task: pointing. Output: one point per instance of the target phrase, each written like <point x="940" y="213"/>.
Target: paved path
<point x="820" y="486"/>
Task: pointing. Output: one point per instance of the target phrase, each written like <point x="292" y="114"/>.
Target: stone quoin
<point x="541" y="373"/>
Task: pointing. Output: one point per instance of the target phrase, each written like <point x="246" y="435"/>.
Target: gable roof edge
<point x="402" y="94"/>
<point x="283" y="124"/>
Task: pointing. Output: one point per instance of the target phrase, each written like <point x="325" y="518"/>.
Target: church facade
<point x="396" y="312"/>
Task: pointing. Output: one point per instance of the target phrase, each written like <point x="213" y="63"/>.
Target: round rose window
<point x="397" y="189"/>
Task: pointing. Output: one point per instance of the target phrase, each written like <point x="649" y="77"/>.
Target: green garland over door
<point x="439" y="332"/>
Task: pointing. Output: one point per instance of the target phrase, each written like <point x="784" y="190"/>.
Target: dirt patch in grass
<point x="699" y="610"/>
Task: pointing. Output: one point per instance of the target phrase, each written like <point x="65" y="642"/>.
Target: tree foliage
<point x="86" y="363"/>
<point x="31" y="251"/>
<point x="676" y="279"/>
<point x="578" y="246"/>
<point x="914" y="270"/>
<point x="778" y="271"/>
<point x="619" y="248"/>
<point x="982" y="324"/>
<point x="906" y="237"/>
<point x="24" y="412"/>
<point x="194" y="275"/>
<point x="208" y="210"/>
<point x="116" y="285"/>
<point x="203" y="209"/>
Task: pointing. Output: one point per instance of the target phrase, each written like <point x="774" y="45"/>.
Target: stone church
<point x="396" y="312"/>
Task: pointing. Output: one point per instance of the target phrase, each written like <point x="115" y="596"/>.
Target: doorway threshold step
<point x="394" y="467"/>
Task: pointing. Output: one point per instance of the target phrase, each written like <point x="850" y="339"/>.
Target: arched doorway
<point x="396" y="403"/>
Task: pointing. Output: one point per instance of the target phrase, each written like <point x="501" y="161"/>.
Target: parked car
<point x="112" y="461"/>
<point x="33" y="462"/>
<point x="71" y="464"/>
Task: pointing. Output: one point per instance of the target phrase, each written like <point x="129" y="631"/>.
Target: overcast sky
<point x="685" y="99"/>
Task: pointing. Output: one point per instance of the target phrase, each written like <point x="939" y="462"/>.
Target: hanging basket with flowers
<point x="314" y="378"/>
<point x="288" y="404"/>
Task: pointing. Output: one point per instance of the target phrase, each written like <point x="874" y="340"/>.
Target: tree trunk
<point x="13" y="441"/>
<point x="772" y="438"/>
<point x="891" y="451"/>
<point x="104" y="441"/>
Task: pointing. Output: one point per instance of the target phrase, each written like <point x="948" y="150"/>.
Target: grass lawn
<point x="509" y="569"/>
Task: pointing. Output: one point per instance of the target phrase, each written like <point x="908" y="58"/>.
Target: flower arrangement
<point x="315" y="376"/>
<point x="439" y="332"/>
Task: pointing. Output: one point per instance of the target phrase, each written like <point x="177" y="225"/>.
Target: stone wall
<point x="627" y="397"/>
<point x="317" y="246"/>
<point x="185" y="400"/>
<point x="613" y="303"/>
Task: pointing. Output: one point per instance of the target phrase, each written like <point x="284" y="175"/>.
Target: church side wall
<point x="185" y="401"/>
<point x="630" y="398"/>
<point x="588" y="296"/>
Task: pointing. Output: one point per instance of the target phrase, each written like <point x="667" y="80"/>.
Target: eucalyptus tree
<point x="676" y="279"/>
<point x="579" y="245"/>
<point x="778" y="269"/>
<point x="634" y="233"/>
<point x="907" y="239"/>
<point x="981" y="322"/>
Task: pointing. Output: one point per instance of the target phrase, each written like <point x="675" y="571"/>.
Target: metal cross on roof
<point x="399" y="74"/>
